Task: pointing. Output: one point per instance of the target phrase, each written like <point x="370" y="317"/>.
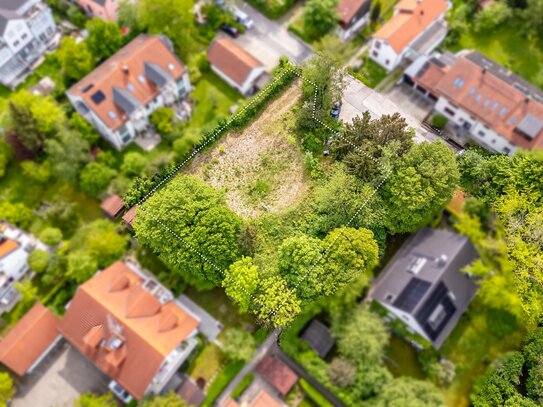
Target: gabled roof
<point x="232" y="60"/>
<point x="7" y="246"/>
<point x="277" y="373"/>
<point x="123" y="328"/>
<point x="318" y="336"/>
<point x="503" y="101"/>
<point x="125" y="80"/>
<point x="424" y="274"/>
<point x="265" y="399"/>
<point x="412" y="17"/>
<point x="112" y="205"/>
<point x="347" y="9"/>
<point x="28" y="339"/>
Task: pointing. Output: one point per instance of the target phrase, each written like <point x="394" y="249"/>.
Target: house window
<point x="493" y="141"/>
<point x="506" y="150"/>
<point x="449" y="112"/>
<point x="16" y="43"/>
<point x="387" y="62"/>
<point x="437" y="317"/>
<point x="25" y="36"/>
<point x="375" y="54"/>
<point x="378" y="44"/>
<point x="389" y="297"/>
<point x="481" y="133"/>
<point x="181" y="87"/>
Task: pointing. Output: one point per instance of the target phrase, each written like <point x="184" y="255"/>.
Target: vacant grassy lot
<point x="261" y="168"/>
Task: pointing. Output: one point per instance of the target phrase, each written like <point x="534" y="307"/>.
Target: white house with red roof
<point x="236" y="66"/>
<point x="416" y="28"/>
<point x="118" y="97"/>
<point x="481" y="99"/>
<point x="353" y="15"/>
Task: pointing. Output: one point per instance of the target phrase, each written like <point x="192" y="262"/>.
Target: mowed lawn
<point x="509" y="47"/>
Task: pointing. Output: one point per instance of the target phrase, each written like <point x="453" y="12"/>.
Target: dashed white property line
<point x="213" y="135"/>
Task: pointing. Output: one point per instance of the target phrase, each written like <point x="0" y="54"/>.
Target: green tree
<point x="319" y="17"/>
<point x="170" y="399"/>
<point x="25" y="127"/>
<point x="29" y="293"/>
<point x="375" y="12"/>
<point x="162" y="120"/>
<point x="278" y="303"/>
<point x="422" y="182"/>
<point x="127" y="16"/>
<point x="51" y="236"/>
<point x="185" y="220"/>
<point x="67" y="153"/>
<point x="173" y="18"/>
<point x="95" y="400"/>
<point x="83" y="128"/>
<point x="100" y="241"/>
<point x="38" y="260"/>
<point x="406" y="391"/>
<point x="533" y="14"/>
<point x="81" y="266"/>
<point x="5" y="157"/>
<point x="6" y="388"/>
<point x="16" y="213"/>
<point x="366" y="141"/>
<point x="104" y="38"/>
<point x="75" y="59"/>
<point x="493" y="16"/>
<point x="39" y="172"/>
<point x="341" y="372"/>
<point x="241" y="281"/>
<point x="238" y="344"/>
<point x="95" y="178"/>
<point x="133" y="163"/>
<point x="361" y="336"/>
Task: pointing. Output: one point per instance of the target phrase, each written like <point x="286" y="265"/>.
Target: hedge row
<point x="242" y="386"/>
<point x="314" y="394"/>
<point x="273" y="9"/>
<point x="283" y="77"/>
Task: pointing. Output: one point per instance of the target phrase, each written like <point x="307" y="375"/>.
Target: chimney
<point x="125" y="69"/>
<point x="441" y="260"/>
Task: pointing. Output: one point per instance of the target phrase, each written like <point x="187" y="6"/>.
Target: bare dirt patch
<point x="261" y="167"/>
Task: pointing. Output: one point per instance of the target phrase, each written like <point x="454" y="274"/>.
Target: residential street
<point x="268" y="40"/>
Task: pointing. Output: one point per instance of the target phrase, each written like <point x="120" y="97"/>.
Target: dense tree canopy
<point x="238" y="344"/>
<point x="104" y="38"/>
<point x="319" y="17"/>
<point x="75" y="59"/>
<point x="277" y="303"/>
<point x="202" y="224"/>
<point x="241" y="281"/>
<point x="95" y="178"/>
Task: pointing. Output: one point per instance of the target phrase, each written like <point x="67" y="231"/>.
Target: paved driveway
<point x="358" y="98"/>
<point x="62" y="377"/>
<point x="269" y="40"/>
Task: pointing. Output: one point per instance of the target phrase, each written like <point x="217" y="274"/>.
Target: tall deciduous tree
<point x="75" y="59"/>
<point x="319" y="17"/>
<point x="67" y="152"/>
<point x="104" y="38"/>
<point x="238" y="344"/>
<point x="277" y="303"/>
<point x="25" y="127"/>
<point x="421" y="183"/>
<point x="173" y="18"/>
<point x="365" y="140"/>
<point x="198" y="216"/>
<point x="241" y="281"/>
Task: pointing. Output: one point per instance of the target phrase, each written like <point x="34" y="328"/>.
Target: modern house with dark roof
<point x="416" y="28"/>
<point x="236" y="66"/>
<point x="484" y="101"/>
<point x="353" y="16"/>
<point x="423" y="285"/>
<point x="118" y="97"/>
<point x="27" y="30"/>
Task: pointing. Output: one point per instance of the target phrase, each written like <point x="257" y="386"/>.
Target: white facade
<point x="478" y="131"/>
<point x="24" y="40"/>
<point x="247" y="86"/>
<point x="387" y="57"/>
<point x="138" y="121"/>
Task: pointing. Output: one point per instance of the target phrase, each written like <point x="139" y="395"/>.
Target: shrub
<point x="162" y="120"/>
<point x="51" y="236"/>
<point x="133" y="163"/>
<point x="38" y="260"/>
<point x="439" y="121"/>
<point x="94" y="178"/>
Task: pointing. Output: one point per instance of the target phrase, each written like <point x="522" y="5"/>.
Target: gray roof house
<point x="423" y="286"/>
<point x="27" y="30"/>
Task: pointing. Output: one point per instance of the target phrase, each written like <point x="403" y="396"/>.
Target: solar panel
<point x="412" y="294"/>
<point x="98" y="97"/>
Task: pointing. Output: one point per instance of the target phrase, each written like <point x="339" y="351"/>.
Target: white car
<point x="242" y="18"/>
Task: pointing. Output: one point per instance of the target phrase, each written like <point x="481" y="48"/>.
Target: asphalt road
<point x="268" y="40"/>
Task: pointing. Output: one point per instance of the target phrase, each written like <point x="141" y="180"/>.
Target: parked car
<point x="120" y="392"/>
<point x="242" y="18"/>
<point x="230" y="30"/>
<point x="336" y="109"/>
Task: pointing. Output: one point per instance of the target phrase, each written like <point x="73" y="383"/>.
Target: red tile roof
<point x="412" y="17"/>
<point x="28" y="339"/>
<point x="232" y="60"/>
<point x="265" y="399"/>
<point x="494" y="102"/>
<point x="124" y="68"/>
<point x="130" y="215"/>
<point x="7" y="246"/>
<point x="112" y="206"/>
<point x="278" y="374"/>
<point x="114" y="304"/>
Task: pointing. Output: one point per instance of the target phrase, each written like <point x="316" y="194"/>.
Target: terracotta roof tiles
<point x="7" y="246"/>
<point x="112" y="206"/>
<point x="277" y="373"/>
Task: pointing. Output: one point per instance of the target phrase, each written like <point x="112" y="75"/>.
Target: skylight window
<point x="472" y="91"/>
<point x="503" y="110"/>
<point x="458" y="82"/>
<point x="478" y="97"/>
<point x="171" y="67"/>
<point x="513" y="120"/>
<point x="495" y="106"/>
<point x="487" y="102"/>
<point x="141" y="79"/>
<point x="112" y="115"/>
<point x="131" y="87"/>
